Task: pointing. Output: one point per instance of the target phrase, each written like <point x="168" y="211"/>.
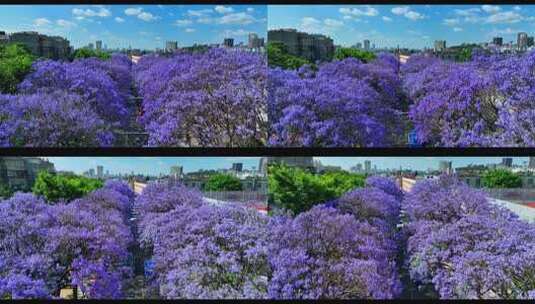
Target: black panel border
<point x="203" y="152"/>
<point x="266" y="151"/>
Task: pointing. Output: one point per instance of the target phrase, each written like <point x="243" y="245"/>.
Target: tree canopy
<point x="5" y="191"/>
<point x="501" y="178"/>
<point x="223" y="182"/>
<point x="15" y="62"/>
<point x="298" y="190"/>
<point x="278" y="56"/>
<point x="341" y="182"/>
<point x="89" y="53"/>
<point x="55" y="187"/>
<point x="345" y="52"/>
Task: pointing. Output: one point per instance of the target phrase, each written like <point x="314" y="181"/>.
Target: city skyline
<point x="153" y="166"/>
<point x="138" y="26"/>
<point x="409" y="26"/>
<point x="414" y="163"/>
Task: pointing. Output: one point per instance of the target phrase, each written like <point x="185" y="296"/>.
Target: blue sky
<point x="149" y="165"/>
<point x="407" y="25"/>
<point x="414" y="163"/>
<point x="139" y="26"/>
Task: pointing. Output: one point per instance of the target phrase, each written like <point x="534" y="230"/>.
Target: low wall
<point x="518" y="195"/>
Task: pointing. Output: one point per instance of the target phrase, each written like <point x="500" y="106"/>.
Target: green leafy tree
<point x="5" y="192"/>
<point x="343" y="53"/>
<point x="465" y="54"/>
<point x="501" y="178"/>
<point x="299" y="190"/>
<point x="464" y="51"/>
<point x="278" y="56"/>
<point x="223" y="182"/>
<point x="89" y="53"/>
<point x="55" y="187"/>
<point x="340" y="182"/>
<point x="296" y="189"/>
<point x="15" y="62"/>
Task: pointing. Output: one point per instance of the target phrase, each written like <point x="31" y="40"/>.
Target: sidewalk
<point x="525" y="213"/>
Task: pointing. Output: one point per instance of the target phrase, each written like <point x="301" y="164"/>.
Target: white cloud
<point x="223" y="9"/>
<point x="146" y="16"/>
<point x="237" y="18"/>
<point x="333" y="22"/>
<point x="101" y="12"/>
<point x="504" y="17"/>
<point x="457" y="29"/>
<point x="400" y="10"/>
<point x="205" y="20"/>
<point x="309" y="21"/>
<point x="477" y="15"/>
<point x="467" y="12"/>
<point x="412" y="15"/>
<point x="517" y="8"/>
<point x="131" y="11"/>
<point x="239" y="32"/>
<point x="490" y="8"/>
<point x="140" y="14"/>
<point x="183" y="22"/>
<point x="506" y="31"/>
<point x="228" y="17"/>
<point x="474" y="19"/>
<point x="65" y="23"/>
<point x="41" y="22"/>
<point x="189" y="30"/>
<point x="326" y="26"/>
<point x="119" y="19"/>
<point x="407" y="13"/>
<point x="387" y="19"/>
<point x="364" y="11"/>
<point x="77" y="11"/>
<point x="199" y="13"/>
<point x="451" y="21"/>
<point x="250" y="9"/>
